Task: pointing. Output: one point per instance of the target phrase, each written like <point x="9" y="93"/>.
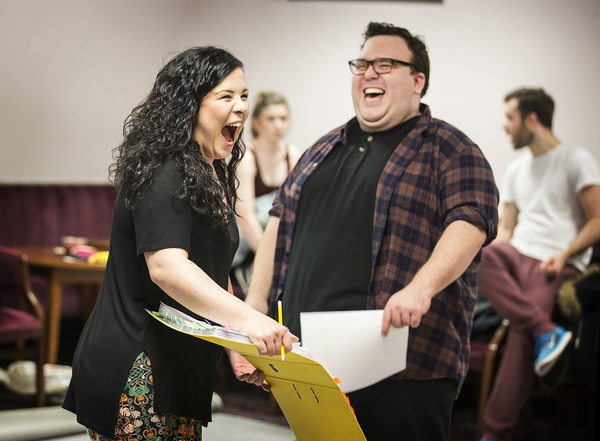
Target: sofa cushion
<point x="18" y="325"/>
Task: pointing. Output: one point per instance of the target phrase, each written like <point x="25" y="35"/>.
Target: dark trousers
<point x="405" y="410"/>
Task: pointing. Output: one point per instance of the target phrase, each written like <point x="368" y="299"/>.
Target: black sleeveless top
<point x="260" y="188"/>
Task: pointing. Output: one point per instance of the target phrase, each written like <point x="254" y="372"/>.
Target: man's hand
<point x="244" y="371"/>
<point x="554" y="265"/>
<point x="405" y="308"/>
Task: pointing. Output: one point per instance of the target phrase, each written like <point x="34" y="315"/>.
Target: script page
<point x="350" y="345"/>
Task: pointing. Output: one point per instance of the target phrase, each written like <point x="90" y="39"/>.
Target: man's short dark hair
<point x="536" y="101"/>
<point x="415" y="43"/>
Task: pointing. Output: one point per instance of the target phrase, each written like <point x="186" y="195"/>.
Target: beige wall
<point x="72" y="70"/>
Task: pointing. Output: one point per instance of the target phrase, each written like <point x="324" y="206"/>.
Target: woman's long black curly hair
<point x="161" y="126"/>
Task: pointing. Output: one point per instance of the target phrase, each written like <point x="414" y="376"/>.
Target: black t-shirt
<point x="119" y="328"/>
<point x="330" y="263"/>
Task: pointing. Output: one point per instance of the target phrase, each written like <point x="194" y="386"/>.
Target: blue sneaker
<point x="486" y="439"/>
<point x="548" y="348"/>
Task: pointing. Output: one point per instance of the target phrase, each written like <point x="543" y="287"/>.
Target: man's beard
<point x="522" y="138"/>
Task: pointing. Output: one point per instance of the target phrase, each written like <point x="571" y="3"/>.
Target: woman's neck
<point x="267" y="146"/>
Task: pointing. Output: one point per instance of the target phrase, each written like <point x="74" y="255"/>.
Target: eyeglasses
<point x="380" y="65"/>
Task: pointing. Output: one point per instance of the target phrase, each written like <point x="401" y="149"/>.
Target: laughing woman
<point x="173" y="237"/>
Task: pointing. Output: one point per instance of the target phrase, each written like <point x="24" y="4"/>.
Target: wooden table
<point x="61" y="270"/>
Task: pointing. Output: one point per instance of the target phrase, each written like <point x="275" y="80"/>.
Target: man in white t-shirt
<point x="551" y="218"/>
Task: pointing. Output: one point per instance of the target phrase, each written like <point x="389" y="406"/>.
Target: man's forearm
<point x="587" y="236"/>
<point x="504" y="235"/>
<point x="262" y="271"/>
<point x="589" y="199"/>
<point x="452" y="255"/>
<point x="508" y="222"/>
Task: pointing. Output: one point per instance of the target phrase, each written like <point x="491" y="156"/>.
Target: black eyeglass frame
<point x="352" y="64"/>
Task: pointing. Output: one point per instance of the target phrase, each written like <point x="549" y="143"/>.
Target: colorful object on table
<point x="98" y="257"/>
<point x="82" y="251"/>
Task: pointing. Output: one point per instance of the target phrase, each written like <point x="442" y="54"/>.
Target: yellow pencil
<point x="280" y="315"/>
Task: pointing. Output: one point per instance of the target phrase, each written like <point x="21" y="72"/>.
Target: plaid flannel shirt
<point x="434" y="177"/>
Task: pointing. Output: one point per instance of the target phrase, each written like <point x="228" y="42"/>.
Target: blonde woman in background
<point x="266" y="164"/>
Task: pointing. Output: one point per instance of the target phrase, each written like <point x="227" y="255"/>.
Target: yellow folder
<point x="311" y="400"/>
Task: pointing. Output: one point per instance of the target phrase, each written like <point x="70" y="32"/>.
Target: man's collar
<point x="422" y="123"/>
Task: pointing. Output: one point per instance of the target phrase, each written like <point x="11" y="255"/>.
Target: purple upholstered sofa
<point x="40" y="214"/>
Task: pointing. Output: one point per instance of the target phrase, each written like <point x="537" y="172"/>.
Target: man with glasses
<point x="389" y="212"/>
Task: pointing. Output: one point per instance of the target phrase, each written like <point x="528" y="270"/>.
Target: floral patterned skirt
<point x="137" y="420"/>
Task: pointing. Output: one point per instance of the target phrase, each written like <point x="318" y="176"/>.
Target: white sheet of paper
<point x="350" y="345"/>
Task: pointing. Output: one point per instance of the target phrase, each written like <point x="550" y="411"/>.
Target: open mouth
<point x="229" y="131"/>
<point x="373" y="92"/>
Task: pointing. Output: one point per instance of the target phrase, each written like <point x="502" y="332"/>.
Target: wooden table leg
<point x="53" y="319"/>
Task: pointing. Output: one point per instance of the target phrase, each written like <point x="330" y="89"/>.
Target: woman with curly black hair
<point x="173" y="238"/>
